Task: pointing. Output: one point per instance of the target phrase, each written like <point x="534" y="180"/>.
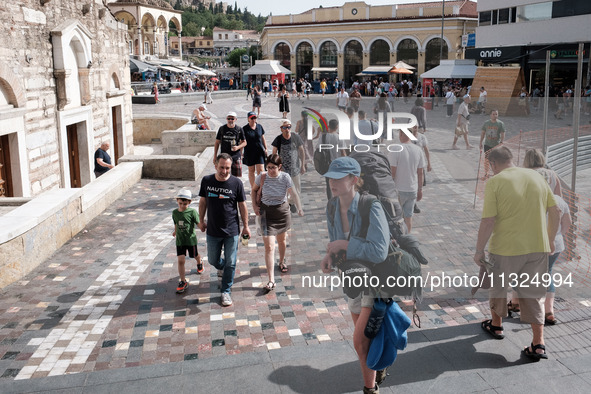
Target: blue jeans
<point x="551" y="260"/>
<point x="228" y="263"/>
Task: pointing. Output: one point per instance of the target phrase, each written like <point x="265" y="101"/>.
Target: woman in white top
<point x="274" y="212"/>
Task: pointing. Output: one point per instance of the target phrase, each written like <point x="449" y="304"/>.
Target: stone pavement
<point x="101" y="315"/>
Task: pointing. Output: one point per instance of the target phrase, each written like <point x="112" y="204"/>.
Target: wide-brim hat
<point x="184" y="193"/>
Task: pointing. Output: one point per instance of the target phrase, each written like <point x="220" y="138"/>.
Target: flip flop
<point x="488" y="327"/>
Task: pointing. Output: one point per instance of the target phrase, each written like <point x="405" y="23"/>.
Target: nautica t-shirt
<point x="222" y="205"/>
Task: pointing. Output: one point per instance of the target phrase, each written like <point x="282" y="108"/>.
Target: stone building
<point x="148" y="24"/>
<point x="225" y="41"/>
<point x="202" y="45"/>
<point x="355" y="36"/>
<point x="64" y="88"/>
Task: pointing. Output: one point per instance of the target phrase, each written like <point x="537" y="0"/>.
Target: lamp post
<point x="442" y="21"/>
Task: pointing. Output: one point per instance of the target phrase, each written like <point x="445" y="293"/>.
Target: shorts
<point x="361" y="301"/>
<point x="183" y="249"/>
<point x="342" y="107"/>
<point x="407" y="202"/>
<point x="237" y="167"/>
<point x="521" y="271"/>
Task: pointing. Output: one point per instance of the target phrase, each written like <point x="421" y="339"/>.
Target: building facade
<point x="521" y="31"/>
<point x="201" y="46"/>
<point x="356" y="36"/>
<point x="148" y="26"/>
<point x="64" y="89"/>
<point x="225" y="41"/>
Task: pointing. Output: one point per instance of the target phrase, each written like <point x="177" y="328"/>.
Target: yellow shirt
<point x="518" y="199"/>
<point x="322" y="85"/>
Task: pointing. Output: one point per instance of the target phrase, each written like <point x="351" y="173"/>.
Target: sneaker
<point x="220" y="273"/>
<point x="199" y="266"/>
<point x="373" y="390"/>
<point x="226" y="299"/>
<point x="182" y="286"/>
<point x="416" y="209"/>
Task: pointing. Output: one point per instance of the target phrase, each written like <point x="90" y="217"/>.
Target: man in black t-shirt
<point x="102" y="160"/>
<point x="232" y="140"/>
<point x="222" y="196"/>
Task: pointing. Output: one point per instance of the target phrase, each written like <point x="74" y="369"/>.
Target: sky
<point x="284" y="7"/>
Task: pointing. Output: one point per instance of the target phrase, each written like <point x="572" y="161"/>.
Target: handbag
<point x="256" y="201"/>
<point x="459" y="131"/>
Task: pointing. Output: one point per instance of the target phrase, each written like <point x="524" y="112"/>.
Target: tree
<point x="191" y="30"/>
<point x="233" y="57"/>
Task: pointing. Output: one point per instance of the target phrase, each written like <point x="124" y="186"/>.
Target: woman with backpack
<point x="270" y="201"/>
<point x="344" y="178"/>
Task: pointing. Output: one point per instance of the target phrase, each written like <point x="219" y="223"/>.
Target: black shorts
<point x="182" y="250"/>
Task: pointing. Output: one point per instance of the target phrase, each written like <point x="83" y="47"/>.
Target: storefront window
<point x="282" y="54"/>
<point x="304" y="59"/>
<point x="379" y="53"/>
<point x="328" y="54"/>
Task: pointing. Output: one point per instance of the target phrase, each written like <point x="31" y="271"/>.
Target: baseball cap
<point x="251" y="114"/>
<point x="343" y="166"/>
<point x="184" y="193"/>
<point x="285" y="121"/>
<point x="203" y="106"/>
<point x="232" y="113"/>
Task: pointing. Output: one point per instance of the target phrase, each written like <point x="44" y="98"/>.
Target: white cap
<point x="232" y="113"/>
<point x="203" y="106"/>
<point x="466" y="96"/>
<point x="184" y="193"/>
<point x="285" y="121"/>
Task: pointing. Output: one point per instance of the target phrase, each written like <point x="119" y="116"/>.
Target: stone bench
<point x="32" y="232"/>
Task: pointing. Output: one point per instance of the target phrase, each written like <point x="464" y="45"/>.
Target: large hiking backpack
<point x="377" y="180"/>
<point x="399" y="274"/>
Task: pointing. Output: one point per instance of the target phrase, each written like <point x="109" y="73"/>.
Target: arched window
<point x="282" y="54"/>
<point x="328" y="54"/>
<point x="408" y="52"/>
<point x="432" y="51"/>
<point x="379" y="53"/>
<point x="353" y="60"/>
<point x="304" y="59"/>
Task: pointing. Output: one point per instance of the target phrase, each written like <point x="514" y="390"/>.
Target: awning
<point x="452" y="69"/>
<point x="136" y="66"/>
<point x="171" y="69"/>
<point x="204" y="72"/>
<point x="267" y="68"/>
<point x="376" y="70"/>
<point x="401" y="64"/>
<point x="325" y="69"/>
<point x="185" y="68"/>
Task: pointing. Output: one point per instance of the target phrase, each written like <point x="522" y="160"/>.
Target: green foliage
<point x="234" y="19"/>
<point x="233" y="57"/>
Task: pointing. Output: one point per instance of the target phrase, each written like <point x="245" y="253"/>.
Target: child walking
<point x="185" y="221"/>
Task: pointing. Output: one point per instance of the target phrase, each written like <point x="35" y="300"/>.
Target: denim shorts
<point x="407" y="202"/>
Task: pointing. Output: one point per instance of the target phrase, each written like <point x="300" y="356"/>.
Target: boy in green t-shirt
<point x="185" y="220"/>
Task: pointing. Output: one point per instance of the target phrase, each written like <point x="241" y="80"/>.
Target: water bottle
<point x="376" y="317"/>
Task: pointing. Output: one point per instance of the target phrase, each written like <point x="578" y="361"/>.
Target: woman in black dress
<point x="256" y="100"/>
<point x="284" y="102"/>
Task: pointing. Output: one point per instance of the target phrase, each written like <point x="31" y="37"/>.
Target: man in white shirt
<point x="481" y="99"/>
<point x="407" y="171"/>
<point x="366" y="127"/>
<point x="450" y="99"/>
<point x="462" y="123"/>
<point x="342" y="99"/>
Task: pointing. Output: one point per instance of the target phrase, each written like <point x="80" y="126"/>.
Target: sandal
<point x="549" y="319"/>
<point x="512" y="308"/>
<point x="488" y="327"/>
<point x="533" y="354"/>
<point x="283" y="267"/>
<point x="269" y="287"/>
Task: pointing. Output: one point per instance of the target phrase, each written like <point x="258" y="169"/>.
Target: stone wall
<point x="187" y="141"/>
<point x="64" y="63"/>
<point x="148" y="130"/>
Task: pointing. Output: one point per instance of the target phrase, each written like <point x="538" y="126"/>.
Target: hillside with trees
<point x="194" y="18"/>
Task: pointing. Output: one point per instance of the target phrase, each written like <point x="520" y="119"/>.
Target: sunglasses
<point x="286" y="127"/>
<point x="230" y="118"/>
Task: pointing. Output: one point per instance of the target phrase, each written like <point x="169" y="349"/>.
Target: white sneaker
<point x="226" y="299"/>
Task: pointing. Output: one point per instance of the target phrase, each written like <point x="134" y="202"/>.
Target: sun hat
<point x="343" y="166"/>
<point x="184" y="193"/>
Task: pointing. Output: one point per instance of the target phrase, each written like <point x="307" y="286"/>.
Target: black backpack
<point x="377" y="180"/>
<point x="322" y="158"/>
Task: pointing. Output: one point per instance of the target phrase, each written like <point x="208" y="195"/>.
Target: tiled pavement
<point x="106" y="300"/>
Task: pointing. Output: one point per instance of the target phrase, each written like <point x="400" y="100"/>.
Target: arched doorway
<point x="304" y="59"/>
<point x="432" y="51"/>
<point x="328" y="54"/>
<point x="353" y="61"/>
<point x="282" y="54"/>
<point x="408" y="52"/>
<point x="379" y="53"/>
